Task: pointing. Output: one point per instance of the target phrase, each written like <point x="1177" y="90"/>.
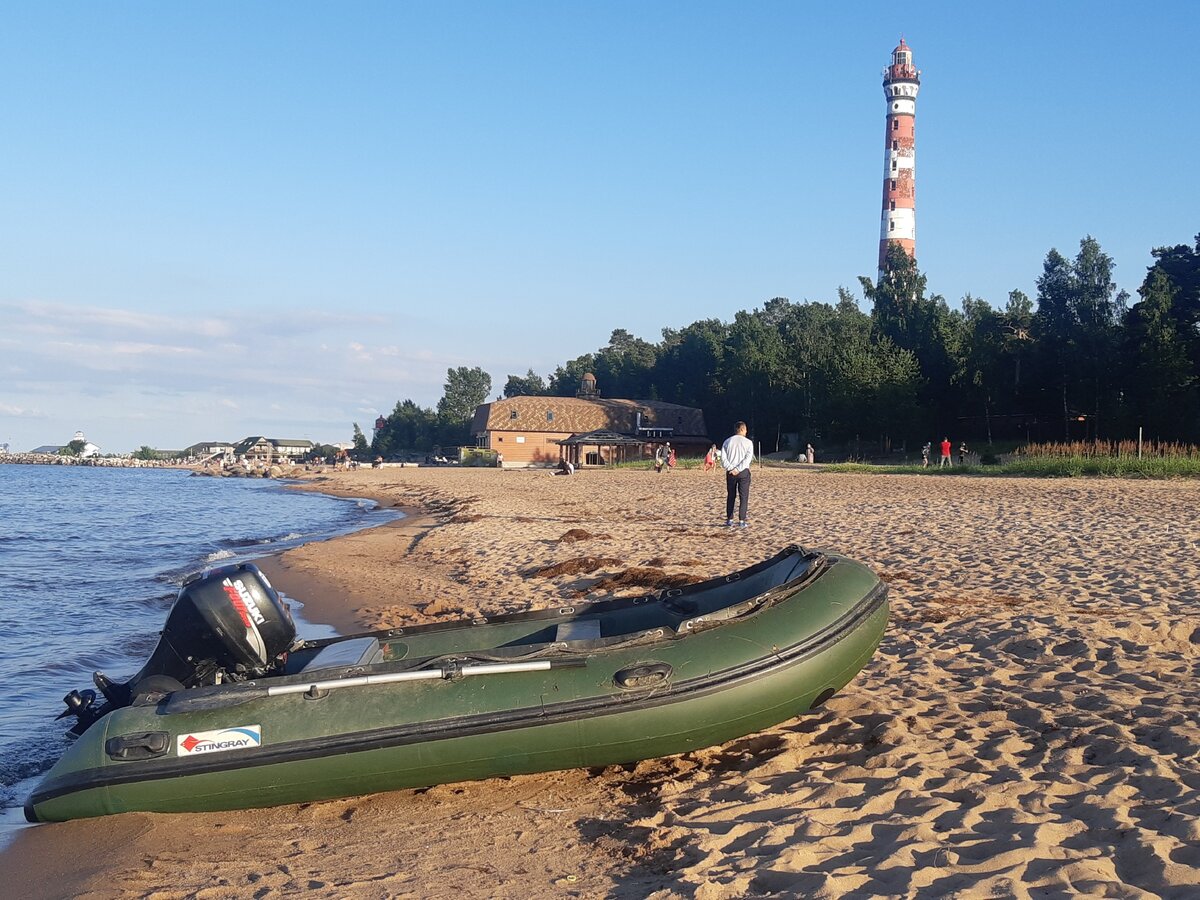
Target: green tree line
<point x="1080" y="360"/>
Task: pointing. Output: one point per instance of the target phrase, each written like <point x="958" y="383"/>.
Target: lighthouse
<point x="901" y="82"/>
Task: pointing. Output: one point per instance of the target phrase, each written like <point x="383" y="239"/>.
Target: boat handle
<point x="144" y="745"/>
<point x="643" y="676"/>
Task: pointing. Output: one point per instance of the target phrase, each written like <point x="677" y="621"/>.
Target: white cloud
<point x="20" y="412"/>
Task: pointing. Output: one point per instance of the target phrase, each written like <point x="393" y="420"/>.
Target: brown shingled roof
<point x="576" y="414"/>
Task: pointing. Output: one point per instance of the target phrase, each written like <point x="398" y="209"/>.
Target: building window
<point x="893" y="204"/>
<point x="893" y="184"/>
<point x="512" y="414"/>
<point x="891" y="226"/>
<point x="895" y="124"/>
<point x="549" y="415"/>
<point x="895" y="145"/>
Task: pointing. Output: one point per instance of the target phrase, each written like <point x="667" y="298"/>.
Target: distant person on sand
<point x="810" y="454"/>
<point x="670" y="458"/>
<point x="660" y="457"/>
<point x="962" y="453"/>
<point x="925" y="451"/>
<point x="737" y="453"/>
<point x="710" y="458"/>
<point x="945" y="460"/>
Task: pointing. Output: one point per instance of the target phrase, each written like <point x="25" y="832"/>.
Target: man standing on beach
<point x="736" y="455"/>
<point x="945" y="460"/>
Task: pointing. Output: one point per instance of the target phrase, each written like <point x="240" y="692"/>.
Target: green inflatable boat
<point x="232" y="711"/>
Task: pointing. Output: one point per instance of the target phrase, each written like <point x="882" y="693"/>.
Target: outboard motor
<point x="227" y="624"/>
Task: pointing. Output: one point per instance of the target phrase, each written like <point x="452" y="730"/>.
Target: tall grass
<point x="1110" y="459"/>
<point x="1109" y="450"/>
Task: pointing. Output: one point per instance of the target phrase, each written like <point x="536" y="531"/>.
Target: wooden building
<point x="588" y="430"/>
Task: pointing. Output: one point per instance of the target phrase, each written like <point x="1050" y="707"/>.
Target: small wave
<point x="219" y="554"/>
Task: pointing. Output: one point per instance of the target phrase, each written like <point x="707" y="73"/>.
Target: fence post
<point x="1139" y="442"/>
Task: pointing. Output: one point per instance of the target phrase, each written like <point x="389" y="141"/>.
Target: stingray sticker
<point x="240" y="738"/>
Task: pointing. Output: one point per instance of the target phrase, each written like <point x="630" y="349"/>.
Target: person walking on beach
<point x="737" y="453"/>
<point x="945" y="460"/>
<point x="810" y="454"/>
<point x="925" y="451"/>
<point x="670" y="458"/>
<point x="962" y="453"/>
<point x="710" y="458"/>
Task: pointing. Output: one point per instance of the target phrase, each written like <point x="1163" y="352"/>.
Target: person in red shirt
<point x="945" y="461"/>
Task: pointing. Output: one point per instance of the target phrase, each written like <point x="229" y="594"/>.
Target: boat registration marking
<point x="240" y="737"/>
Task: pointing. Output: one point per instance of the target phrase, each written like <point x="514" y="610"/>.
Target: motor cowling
<point x="228" y="619"/>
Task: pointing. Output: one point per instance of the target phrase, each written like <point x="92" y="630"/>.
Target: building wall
<point x="529" y="448"/>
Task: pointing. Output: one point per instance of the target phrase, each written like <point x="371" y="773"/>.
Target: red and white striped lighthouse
<point x="901" y="82"/>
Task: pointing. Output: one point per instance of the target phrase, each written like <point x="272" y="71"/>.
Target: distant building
<point x="53" y="449"/>
<point x="89" y="449"/>
<point x="264" y="449"/>
<point x="208" y="449"/>
<point x="585" y="429"/>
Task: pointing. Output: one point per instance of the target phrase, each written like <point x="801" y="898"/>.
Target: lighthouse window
<point x="893" y="204"/>
<point x="895" y="145"/>
<point x="895" y="124"/>
<point x="893" y="184"/>
<point x="891" y="226"/>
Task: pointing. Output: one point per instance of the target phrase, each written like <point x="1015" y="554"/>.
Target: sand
<point x="1029" y="726"/>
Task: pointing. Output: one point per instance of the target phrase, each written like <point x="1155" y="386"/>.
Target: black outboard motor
<point x="227" y="624"/>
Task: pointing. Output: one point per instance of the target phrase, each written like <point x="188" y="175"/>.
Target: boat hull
<point x="722" y="682"/>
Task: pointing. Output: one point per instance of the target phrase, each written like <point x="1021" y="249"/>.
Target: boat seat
<point x="578" y="630"/>
<point x="354" y="652"/>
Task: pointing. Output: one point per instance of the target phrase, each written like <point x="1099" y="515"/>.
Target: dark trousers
<point x="737" y="487"/>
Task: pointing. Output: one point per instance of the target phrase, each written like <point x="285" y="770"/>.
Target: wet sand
<point x="1029" y="726"/>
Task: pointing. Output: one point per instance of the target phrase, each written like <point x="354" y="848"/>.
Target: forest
<point x="1080" y="361"/>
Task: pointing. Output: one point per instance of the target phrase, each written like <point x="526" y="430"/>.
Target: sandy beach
<point x="1030" y="725"/>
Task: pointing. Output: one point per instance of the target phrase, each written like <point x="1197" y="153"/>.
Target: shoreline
<point x="335" y="602"/>
<point x="1028" y="723"/>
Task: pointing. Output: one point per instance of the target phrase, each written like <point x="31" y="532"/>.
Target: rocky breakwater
<point x="115" y="462"/>
<point x="250" y="470"/>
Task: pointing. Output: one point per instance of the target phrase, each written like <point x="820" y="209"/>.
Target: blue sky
<point x="223" y="219"/>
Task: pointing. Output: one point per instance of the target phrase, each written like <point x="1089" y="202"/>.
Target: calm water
<point x="90" y="562"/>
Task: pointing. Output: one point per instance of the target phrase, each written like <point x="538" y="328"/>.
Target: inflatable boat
<point x="232" y="711"/>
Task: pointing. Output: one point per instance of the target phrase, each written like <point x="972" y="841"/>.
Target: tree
<point x="926" y="327"/>
<point x="983" y="356"/>
<point x="409" y="428"/>
<point x="1161" y="379"/>
<point x="1054" y="328"/>
<point x="531" y="385"/>
<point x="1075" y="327"/>
<point x="361" y="450"/>
<point x="74" y="448"/>
<point x="145" y="452"/>
<point x="464" y="391"/>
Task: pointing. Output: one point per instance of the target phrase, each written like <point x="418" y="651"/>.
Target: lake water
<point x="91" y="560"/>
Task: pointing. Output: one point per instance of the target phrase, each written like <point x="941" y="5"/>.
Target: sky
<point x="222" y="219"/>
